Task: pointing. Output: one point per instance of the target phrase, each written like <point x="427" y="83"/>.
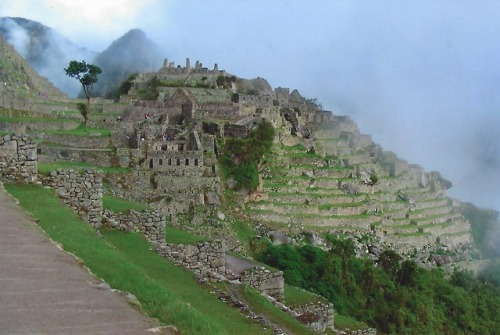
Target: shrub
<point x="241" y="156"/>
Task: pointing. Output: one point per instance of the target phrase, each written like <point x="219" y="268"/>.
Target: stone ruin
<point x="18" y="159"/>
<point x="82" y="192"/>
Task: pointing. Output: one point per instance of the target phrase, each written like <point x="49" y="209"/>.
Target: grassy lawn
<point x="137" y="250"/>
<point x="345" y="322"/>
<point x="121" y="205"/>
<point x="81" y="131"/>
<point x="178" y="236"/>
<point x="297" y="296"/>
<point x="32" y="119"/>
<point x="126" y="263"/>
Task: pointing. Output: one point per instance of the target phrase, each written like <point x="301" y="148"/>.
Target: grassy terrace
<point x="346" y="323"/>
<point x="81" y="131"/>
<point x="447" y="223"/>
<point x="315" y="193"/>
<point x="425" y="210"/>
<point x="33" y="119"/>
<point x="46" y="168"/>
<point x="178" y="236"/>
<point x="303" y="204"/>
<point x="261" y="306"/>
<point x="126" y="263"/>
<point x="414" y="234"/>
<point x="435" y="217"/>
<point x="121" y="205"/>
<point x="306" y="215"/>
<point x="297" y="296"/>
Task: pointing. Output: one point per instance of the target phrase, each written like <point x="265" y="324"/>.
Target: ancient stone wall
<point x="104" y="157"/>
<point x="219" y="111"/>
<point x="234" y="130"/>
<point x="265" y="281"/>
<point x="218" y="107"/>
<point x="256" y="100"/>
<point x="28" y="126"/>
<point x="92" y="142"/>
<point x="18" y="159"/>
<point x="80" y="191"/>
<point x="149" y="223"/>
<point x="317" y="316"/>
<point x="208" y="142"/>
<point x="162" y="160"/>
<point x="367" y="331"/>
<point x="205" y="259"/>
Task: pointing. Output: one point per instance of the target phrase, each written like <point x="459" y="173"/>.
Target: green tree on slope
<point x="86" y="74"/>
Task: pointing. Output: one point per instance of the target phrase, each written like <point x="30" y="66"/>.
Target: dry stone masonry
<point x="205" y="259"/>
<point x="18" y="158"/>
<point x="151" y="224"/>
<point x="265" y="281"/>
<point x="81" y="191"/>
<point x="317" y="316"/>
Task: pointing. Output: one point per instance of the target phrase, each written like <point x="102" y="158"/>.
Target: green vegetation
<point x="126" y="262"/>
<point x="260" y="305"/>
<point x="298" y="296"/>
<point x="225" y="81"/>
<point x="244" y="231"/>
<point x="150" y="90"/>
<point x="345" y="322"/>
<point x="120" y="205"/>
<point x="178" y="236"/>
<point x="124" y="87"/>
<point x="32" y="119"/>
<point x="241" y="156"/>
<point x="390" y="295"/>
<point x="46" y="168"/>
<point x="485" y="228"/>
<point x="86" y="74"/>
<point x="315" y="103"/>
<point x="81" y="130"/>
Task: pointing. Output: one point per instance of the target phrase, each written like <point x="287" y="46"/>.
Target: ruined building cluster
<point x="170" y="144"/>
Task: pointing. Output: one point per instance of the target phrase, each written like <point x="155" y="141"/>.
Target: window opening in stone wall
<point x="151" y="163"/>
<point x="160" y="162"/>
<point x="170" y="161"/>
<point x="178" y="161"/>
<point x="196" y="162"/>
<point x="213" y="168"/>
<point x="187" y="161"/>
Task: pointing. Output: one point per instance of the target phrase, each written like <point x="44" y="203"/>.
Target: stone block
<point x="9" y="150"/>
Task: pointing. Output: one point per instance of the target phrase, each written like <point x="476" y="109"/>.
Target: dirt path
<point x="234" y="290"/>
<point x="44" y="290"/>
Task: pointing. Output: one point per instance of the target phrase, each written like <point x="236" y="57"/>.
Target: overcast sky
<point x="422" y="77"/>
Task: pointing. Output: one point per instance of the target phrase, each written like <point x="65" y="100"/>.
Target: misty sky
<point x="422" y="77"/>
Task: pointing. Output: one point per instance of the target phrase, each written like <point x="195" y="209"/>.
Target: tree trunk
<point x="86" y="116"/>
